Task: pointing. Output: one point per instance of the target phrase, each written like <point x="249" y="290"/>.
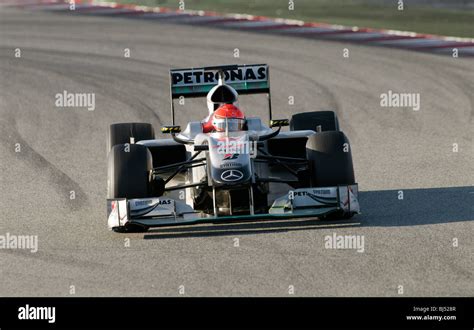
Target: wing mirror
<point x="173" y="130"/>
<point x="279" y="122"/>
<point x="170" y="129"/>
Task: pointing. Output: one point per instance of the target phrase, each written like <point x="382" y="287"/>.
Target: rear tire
<point x="121" y="133"/>
<point x="311" y="120"/>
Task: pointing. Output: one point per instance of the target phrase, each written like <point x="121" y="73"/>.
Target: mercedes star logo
<point x="232" y="175"/>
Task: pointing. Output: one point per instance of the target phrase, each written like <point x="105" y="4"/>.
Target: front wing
<point x="165" y="211"/>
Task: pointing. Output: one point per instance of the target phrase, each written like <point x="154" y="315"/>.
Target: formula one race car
<point x="228" y="166"/>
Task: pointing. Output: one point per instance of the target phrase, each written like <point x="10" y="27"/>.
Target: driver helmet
<point x="228" y="115"/>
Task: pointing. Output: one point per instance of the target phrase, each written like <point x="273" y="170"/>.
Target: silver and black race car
<point x="259" y="172"/>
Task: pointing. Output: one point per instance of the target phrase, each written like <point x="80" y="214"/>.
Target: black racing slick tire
<point x="129" y="167"/>
<point x="327" y="120"/>
<point x="330" y="158"/>
<point x="121" y="133"/>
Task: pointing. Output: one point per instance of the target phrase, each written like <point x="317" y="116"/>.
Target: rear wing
<point x="197" y="82"/>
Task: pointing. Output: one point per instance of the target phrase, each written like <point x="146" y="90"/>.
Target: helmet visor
<point x="232" y="124"/>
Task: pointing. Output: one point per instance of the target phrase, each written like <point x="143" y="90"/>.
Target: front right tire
<point x="122" y="132"/>
<point x="129" y="167"/>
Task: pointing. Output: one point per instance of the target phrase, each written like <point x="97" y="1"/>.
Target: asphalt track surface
<point x="408" y="242"/>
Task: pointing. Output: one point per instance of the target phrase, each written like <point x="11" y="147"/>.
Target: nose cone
<point x="232" y="176"/>
<point x="229" y="162"/>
